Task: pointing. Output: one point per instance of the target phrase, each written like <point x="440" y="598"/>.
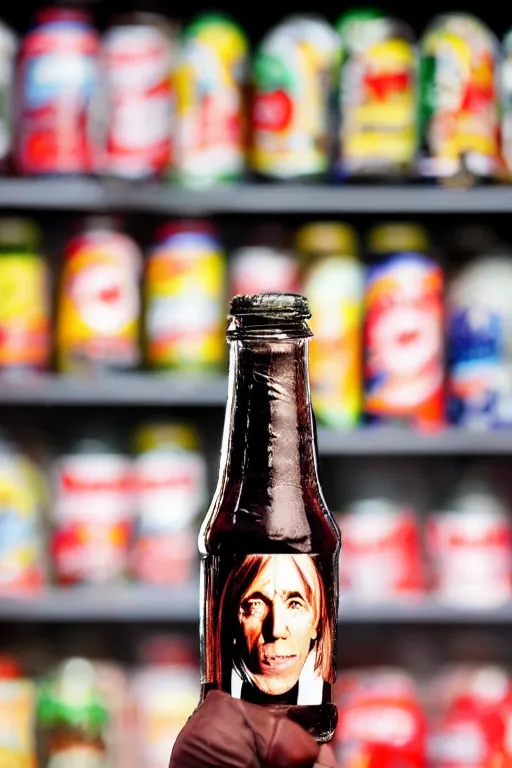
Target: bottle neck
<point x="269" y="450"/>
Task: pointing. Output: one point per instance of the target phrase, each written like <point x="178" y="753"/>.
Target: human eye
<point x="295" y="604"/>
<point x="253" y="607"/>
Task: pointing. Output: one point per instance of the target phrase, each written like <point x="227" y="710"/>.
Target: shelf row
<point x="180" y="604"/>
<point x="79" y="194"/>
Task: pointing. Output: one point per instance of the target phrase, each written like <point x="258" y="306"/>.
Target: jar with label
<point x="378" y="134"/>
<point x="479" y="332"/>
<point x="170" y="493"/>
<point x="165" y="688"/>
<point x="404" y="349"/>
<point x="459" y="109"/>
<point x="469" y="543"/>
<point x="25" y="342"/>
<point x="210" y="82"/>
<point x="72" y="717"/>
<point x="333" y="283"/>
<point x="293" y="85"/>
<point x="22" y="524"/>
<point x="265" y="263"/>
<point x="57" y="77"/>
<point x="17" y="716"/>
<point x="184" y="289"/>
<point x="138" y="56"/>
<point x="92" y="509"/>
<point x="99" y="300"/>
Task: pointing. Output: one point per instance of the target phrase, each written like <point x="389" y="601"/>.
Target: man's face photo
<point x="278" y="619"/>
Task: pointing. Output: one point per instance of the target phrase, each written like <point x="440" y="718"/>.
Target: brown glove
<point x="229" y="733"/>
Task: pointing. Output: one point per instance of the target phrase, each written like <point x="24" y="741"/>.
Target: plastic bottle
<point x="404" y="355"/>
<point x="8" y="48"/>
<point x="265" y="263"/>
<point x="333" y="282"/>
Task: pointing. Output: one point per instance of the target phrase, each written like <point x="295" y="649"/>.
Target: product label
<point x="272" y="624"/>
<point x="99" y="303"/>
<point x="378" y="107"/>
<point x="479" y="377"/>
<point x="92" y="517"/>
<point x="382" y="557"/>
<point x="471" y="556"/>
<point x="210" y="130"/>
<point x="404" y="341"/>
<point x="170" y="492"/>
<point x="293" y="84"/>
<point x="57" y="82"/>
<point x="185" y="302"/>
<point x="24" y="312"/>
<point x="17" y="705"/>
<point x="138" y="64"/>
<point x="334" y="287"/>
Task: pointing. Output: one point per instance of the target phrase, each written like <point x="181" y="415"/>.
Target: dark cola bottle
<point x="269" y="545"/>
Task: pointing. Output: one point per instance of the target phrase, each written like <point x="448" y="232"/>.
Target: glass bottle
<point x="269" y="545"/>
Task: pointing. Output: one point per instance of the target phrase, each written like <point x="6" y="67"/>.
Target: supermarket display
<point x="210" y="82"/>
<point x="55" y="90"/>
<point x="403" y="333"/>
<point x="265" y="263"/>
<point x="378" y="132"/>
<point x="97" y="326"/>
<point x="184" y="299"/>
<point x="334" y="284"/>
<point x="293" y="83"/>
<point x="25" y="324"/>
<point x="138" y="53"/>
<point x="269" y="546"/>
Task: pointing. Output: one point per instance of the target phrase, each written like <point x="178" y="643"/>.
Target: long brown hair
<point x="228" y="626"/>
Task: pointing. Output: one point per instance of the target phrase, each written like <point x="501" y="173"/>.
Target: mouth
<point x="278" y="662"/>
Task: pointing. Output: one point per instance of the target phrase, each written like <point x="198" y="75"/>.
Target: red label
<point x="272" y="111"/>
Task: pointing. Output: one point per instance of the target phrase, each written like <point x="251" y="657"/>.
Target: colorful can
<point x="184" y="298"/>
<point x="170" y="492"/>
<point x="22" y="554"/>
<point x="334" y="286"/>
<point x="58" y="75"/>
<point x="138" y="56"/>
<point x="479" y="331"/>
<point x="459" y="98"/>
<point x="25" y="341"/>
<point x="99" y="300"/>
<point x="378" y="116"/>
<point x="265" y="263"/>
<point x="293" y="86"/>
<point x="209" y="81"/>
<point x="92" y="511"/>
<point x="404" y="355"/>
<point x="8" y="49"/>
<point x="17" y="723"/>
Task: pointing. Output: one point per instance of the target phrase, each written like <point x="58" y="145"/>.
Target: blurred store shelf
<point x="95" y="195"/>
<point x="177" y="604"/>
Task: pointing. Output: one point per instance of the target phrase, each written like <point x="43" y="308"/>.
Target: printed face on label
<point x="277" y="607"/>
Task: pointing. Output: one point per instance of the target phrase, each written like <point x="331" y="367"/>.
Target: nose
<point x="275" y="625"/>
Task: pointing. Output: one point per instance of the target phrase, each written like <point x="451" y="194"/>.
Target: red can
<point x="138" y="54"/>
<point x="57" y="79"/>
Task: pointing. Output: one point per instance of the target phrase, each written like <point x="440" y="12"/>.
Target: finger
<point x="326" y="757"/>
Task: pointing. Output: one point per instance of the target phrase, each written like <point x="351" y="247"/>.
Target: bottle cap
<point x="399" y="236"/>
<point x="278" y="304"/>
<point x="154" y="435"/>
<point x="326" y="238"/>
<point x="16" y="232"/>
